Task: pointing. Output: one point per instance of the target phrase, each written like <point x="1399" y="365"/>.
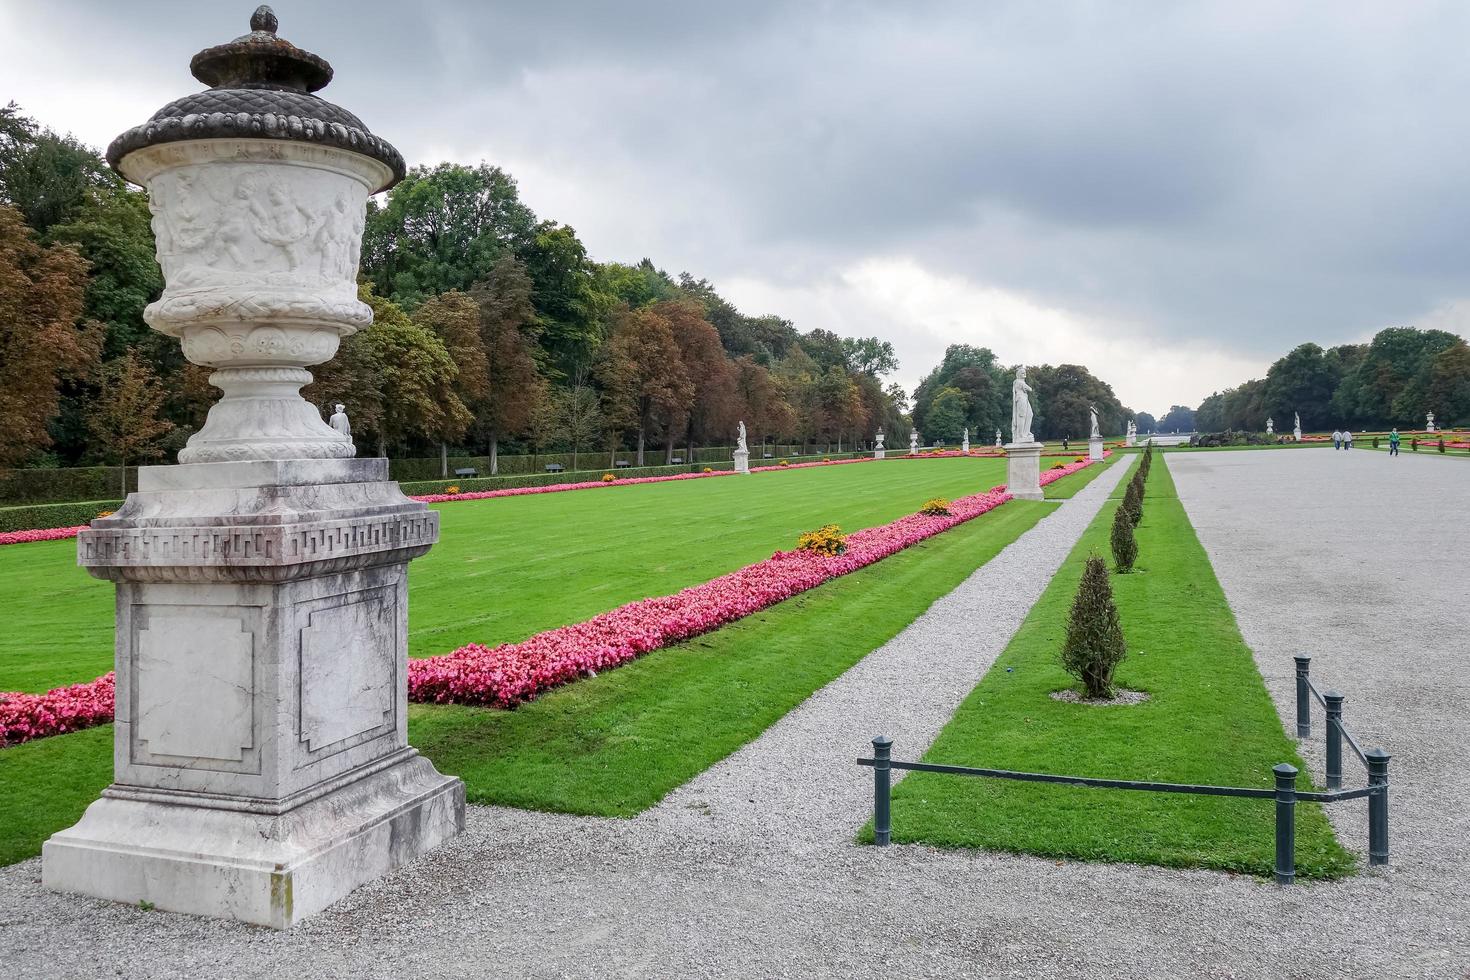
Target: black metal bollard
<point x="1378" y="807"/>
<point x="1285" y="823"/>
<point x="1303" y="698"/>
<point x="1334" y="738"/>
<point x="882" y="771"/>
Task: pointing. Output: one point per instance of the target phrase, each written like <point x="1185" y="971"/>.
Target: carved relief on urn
<point x="258" y="190"/>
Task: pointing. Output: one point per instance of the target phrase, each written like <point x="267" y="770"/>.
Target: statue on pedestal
<point x="1296" y="426"/>
<point x="740" y="439"/>
<point x="965" y="447"/>
<point x="1096" y="433"/>
<point x="741" y="455"/>
<point x="339" y="421"/>
<point x="997" y="438"/>
<point x="1021" y="414"/>
<point x="1270" y="427"/>
<point x="1132" y="432"/>
<point x="1429" y="422"/>
<point x="878" y="451"/>
<point x="913" y="442"/>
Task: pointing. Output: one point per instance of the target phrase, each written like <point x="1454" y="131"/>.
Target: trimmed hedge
<point x="38" y="517"/>
<point x="421" y="469"/>
<point x="62" y="484"/>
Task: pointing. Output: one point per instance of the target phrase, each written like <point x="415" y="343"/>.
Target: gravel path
<point x="712" y="884"/>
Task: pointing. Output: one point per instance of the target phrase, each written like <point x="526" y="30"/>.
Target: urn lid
<point x="260" y="86"/>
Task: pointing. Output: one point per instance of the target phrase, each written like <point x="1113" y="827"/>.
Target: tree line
<point x="493" y="331"/>
<point x="1395" y="379"/>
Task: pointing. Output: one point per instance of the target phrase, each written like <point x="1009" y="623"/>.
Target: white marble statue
<point x="1096" y="433"/>
<point x="1021" y="414"/>
<point x="1429" y="422"/>
<point x="997" y="438"/>
<point x="878" y="451"/>
<point x="740" y="439"/>
<point x="1270" y="427"/>
<point x="965" y="447"/>
<point x="1132" y="433"/>
<point x="339" y="421"/>
<point x="913" y="442"/>
<point x="1296" y="426"/>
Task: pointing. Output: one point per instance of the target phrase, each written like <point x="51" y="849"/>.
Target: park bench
<point x="767" y="456"/>
<point x="467" y="471"/>
<point x="676" y="461"/>
<point x="554" y="467"/>
<point x="621" y="464"/>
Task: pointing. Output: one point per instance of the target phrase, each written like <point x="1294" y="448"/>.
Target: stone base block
<point x="269" y="870"/>
<point x="742" y="461"/>
<point x="880" y="454"/>
<point x="1094" y="449"/>
<point x="1023" y="470"/>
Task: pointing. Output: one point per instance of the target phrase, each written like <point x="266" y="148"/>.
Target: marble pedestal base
<point x="183" y="853"/>
<point x="742" y="461"/>
<point x="1094" y="449"/>
<point x="261" y="766"/>
<point x="1023" y="470"/>
<point x="880" y="454"/>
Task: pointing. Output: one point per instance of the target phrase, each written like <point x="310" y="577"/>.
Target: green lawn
<point x="1209" y="720"/>
<point x="510" y="567"/>
<point x="1067" y="488"/>
<point x="617" y="743"/>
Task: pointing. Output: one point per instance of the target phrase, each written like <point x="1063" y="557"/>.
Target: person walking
<point x="1336" y="438"/>
<point x="1393" y="443"/>
<point x="1347" y="438"/>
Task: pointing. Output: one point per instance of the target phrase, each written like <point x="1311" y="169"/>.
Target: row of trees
<point x="969" y="388"/>
<point x="1395" y="379"/>
<point x="492" y="327"/>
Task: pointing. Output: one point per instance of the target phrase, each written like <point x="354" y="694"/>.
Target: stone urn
<point x="258" y="189"/>
<point x="261" y="763"/>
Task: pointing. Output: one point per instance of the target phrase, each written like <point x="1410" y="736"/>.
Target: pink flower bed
<point x="47" y="534"/>
<point x="511" y="673"/>
<point x="506" y="675"/>
<point x="65" y="709"/>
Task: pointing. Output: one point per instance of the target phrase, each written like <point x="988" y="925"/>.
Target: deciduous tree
<point x="126" y="418"/>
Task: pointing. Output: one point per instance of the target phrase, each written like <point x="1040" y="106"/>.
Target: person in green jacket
<point x="1393" y="443"/>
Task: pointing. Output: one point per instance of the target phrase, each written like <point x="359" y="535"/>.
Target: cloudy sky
<point x="1173" y="194"/>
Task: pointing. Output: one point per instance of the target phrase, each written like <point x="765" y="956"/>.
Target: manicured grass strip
<point x="46" y="784"/>
<point x="1209" y="720"/>
<point x="1067" y="488"/>
<point x="508" y="568"/>
<point x="617" y="743"/>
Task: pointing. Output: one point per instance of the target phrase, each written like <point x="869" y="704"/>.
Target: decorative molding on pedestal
<point x="1023" y="470"/>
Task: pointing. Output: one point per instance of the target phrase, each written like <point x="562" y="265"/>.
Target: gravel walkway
<point x="720" y="881"/>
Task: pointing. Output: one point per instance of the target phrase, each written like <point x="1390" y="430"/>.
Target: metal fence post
<point x="1303" y="698"/>
<point x="1285" y="823"/>
<point x="1334" y="738"/>
<point x="882" y="771"/>
<point x="1378" y="807"/>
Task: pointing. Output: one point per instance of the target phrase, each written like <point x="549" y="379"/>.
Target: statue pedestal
<point x="880" y="454"/>
<point x="1095" y="449"/>
<point x="1023" y="470"/>
<point x="262" y="766"/>
<point x="742" y="461"/>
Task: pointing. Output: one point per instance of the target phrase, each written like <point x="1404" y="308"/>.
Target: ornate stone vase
<point x="261" y="765"/>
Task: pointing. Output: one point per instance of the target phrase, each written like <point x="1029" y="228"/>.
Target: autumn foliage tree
<point x="43" y="339"/>
<point x="125" y="419"/>
<point x="515" y="390"/>
<point x="643" y="376"/>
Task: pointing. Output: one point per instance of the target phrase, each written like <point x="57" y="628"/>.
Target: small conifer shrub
<point x="1094" y="646"/>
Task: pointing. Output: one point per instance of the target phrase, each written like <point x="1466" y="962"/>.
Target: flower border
<point x="512" y="673"/>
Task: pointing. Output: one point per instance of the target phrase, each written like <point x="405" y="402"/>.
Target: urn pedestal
<point x="880" y="453"/>
<point x="261" y="757"/>
<point x="1094" y="449"/>
<point x="1023" y="470"/>
<point x="742" y="461"/>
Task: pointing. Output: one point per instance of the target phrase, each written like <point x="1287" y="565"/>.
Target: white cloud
<point x="923" y="312"/>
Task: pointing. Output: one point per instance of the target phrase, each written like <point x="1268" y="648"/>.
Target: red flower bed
<point x="65" y="709"/>
<point x="508" y="674"/>
<point x="47" y="534"/>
